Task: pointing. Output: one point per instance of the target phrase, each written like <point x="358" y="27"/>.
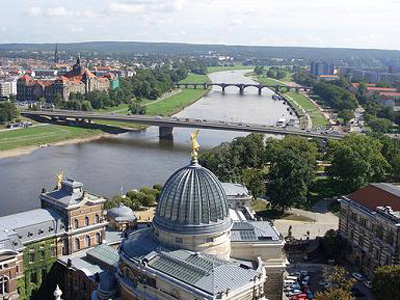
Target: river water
<point x="134" y="159"/>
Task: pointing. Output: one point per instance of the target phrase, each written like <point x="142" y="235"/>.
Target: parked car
<point x="158" y="118"/>
<point x="357" y="276"/>
<point x="368" y="284"/>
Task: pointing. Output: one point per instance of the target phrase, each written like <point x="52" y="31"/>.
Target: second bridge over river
<point x="167" y="124"/>
<point x="243" y="86"/>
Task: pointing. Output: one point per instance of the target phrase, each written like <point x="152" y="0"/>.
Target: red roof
<point x="367" y="84"/>
<point x="395" y="95"/>
<point x="380" y="89"/>
<point x="378" y="194"/>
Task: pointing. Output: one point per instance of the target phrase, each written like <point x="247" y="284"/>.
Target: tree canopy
<point x="8" y="112"/>
<point x="356" y="160"/>
<point x="386" y="283"/>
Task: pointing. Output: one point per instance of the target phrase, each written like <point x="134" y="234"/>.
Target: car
<point x="222" y="121"/>
<point x="247" y="125"/>
<point x="199" y="120"/>
<point x="158" y="118"/>
<point x="176" y="118"/>
<point x="357" y="276"/>
<point x="204" y="120"/>
<point x="368" y="284"/>
<point x="240" y="124"/>
<point x="187" y="119"/>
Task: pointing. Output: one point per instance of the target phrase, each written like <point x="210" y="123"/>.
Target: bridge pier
<point x="241" y="89"/>
<point x="223" y="88"/>
<point x="205" y="86"/>
<point x="165" y="132"/>
<point x="195" y="86"/>
<point x="259" y="91"/>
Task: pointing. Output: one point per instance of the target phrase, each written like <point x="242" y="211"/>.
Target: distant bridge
<point x="242" y="86"/>
<point x="167" y="124"/>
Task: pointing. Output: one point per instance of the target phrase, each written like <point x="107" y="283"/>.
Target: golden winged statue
<point x="195" y="144"/>
<point x="60" y="176"/>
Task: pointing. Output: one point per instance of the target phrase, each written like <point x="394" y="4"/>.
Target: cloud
<point x="58" y="12"/>
<point x="126" y="7"/>
<point x="34" y="11"/>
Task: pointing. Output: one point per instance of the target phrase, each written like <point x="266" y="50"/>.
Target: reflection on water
<point x="135" y="159"/>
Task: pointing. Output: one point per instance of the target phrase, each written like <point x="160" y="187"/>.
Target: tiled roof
<point x="378" y="194"/>
<point x="253" y="231"/>
<point x="235" y="189"/>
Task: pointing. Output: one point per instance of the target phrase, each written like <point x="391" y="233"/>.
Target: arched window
<point x="86" y="221"/>
<point x="76" y="223"/>
<point x="4" y="289"/>
<point x="87" y="241"/>
<point x="77" y="244"/>
<point x="98" y="238"/>
<point x="96" y="219"/>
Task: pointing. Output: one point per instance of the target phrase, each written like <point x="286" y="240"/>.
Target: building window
<point x="17" y="269"/>
<point x="4" y="289"/>
<point x="98" y="238"/>
<point x="31" y="257"/>
<point x="86" y="221"/>
<point x="77" y="244"/>
<point x="179" y="240"/>
<point x="76" y="223"/>
<point x="42" y="254"/>
<point x="52" y="251"/>
<point x="87" y="241"/>
<point x="96" y="219"/>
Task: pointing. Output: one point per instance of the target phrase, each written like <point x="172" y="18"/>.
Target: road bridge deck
<point x="171" y="122"/>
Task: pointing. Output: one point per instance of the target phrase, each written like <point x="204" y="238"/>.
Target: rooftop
<point x="254" y="231"/>
<point x="205" y="272"/>
<point x="378" y="194"/>
<point x="235" y="189"/>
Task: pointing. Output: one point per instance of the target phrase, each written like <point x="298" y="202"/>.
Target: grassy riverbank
<point x="300" y="102"/>
<point x="43" y="135"/>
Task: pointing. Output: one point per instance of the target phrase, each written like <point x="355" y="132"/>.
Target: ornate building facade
<point x="370" y="223"/>
<point x="77" y="80"/>
<point x="70" y="219"/>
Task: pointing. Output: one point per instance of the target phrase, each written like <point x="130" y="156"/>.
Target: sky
<point x="314" y="23"/>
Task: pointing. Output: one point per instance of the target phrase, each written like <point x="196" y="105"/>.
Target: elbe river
<point x="135" y="159"/>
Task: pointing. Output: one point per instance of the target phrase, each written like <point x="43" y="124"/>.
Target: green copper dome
<point x="193" y="201"/>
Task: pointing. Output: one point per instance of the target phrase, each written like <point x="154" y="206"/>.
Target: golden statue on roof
<point x="60" y="177"/>
<point x="195" y="144"/>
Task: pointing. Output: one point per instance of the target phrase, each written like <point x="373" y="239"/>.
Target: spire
<point x="78" y="60"/>
<point x="56" y="59"/>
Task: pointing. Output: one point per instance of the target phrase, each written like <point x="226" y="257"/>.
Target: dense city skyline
<point x="354" y="24"/>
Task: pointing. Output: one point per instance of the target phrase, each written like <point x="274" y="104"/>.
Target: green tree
<point x="386" y="283"/>
<point x="288" y="179"/>
<point x="346" y="115"/>
<point x="254" y="180"/>
<point x="8" y="112"/>
<point x="355" y="161"/>
<point x="259" y="70"/>
<point x="340" y="286"/>
<point x="380" y="125"/>
<point x="391" y="151"/>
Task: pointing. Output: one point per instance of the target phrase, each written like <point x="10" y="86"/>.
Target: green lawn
<point x="229" y="68"/>
<point x="42" y="135"/>
<point x="317" y="117"/>
<point x="195" y="78"/>
<point x="263" y="79"/>
<point x="122" y="106"/>
<point x="175" y="103"/>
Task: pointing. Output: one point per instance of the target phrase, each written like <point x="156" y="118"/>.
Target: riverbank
<point x="23" y="150"/>
<point x="24" y="141"/>
<point x="310" y="115"/>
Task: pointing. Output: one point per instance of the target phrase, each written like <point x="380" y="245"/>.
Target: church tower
<point x="56" y="58"/>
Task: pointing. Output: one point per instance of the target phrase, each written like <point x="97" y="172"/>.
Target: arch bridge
<point x="243" y="86"/>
